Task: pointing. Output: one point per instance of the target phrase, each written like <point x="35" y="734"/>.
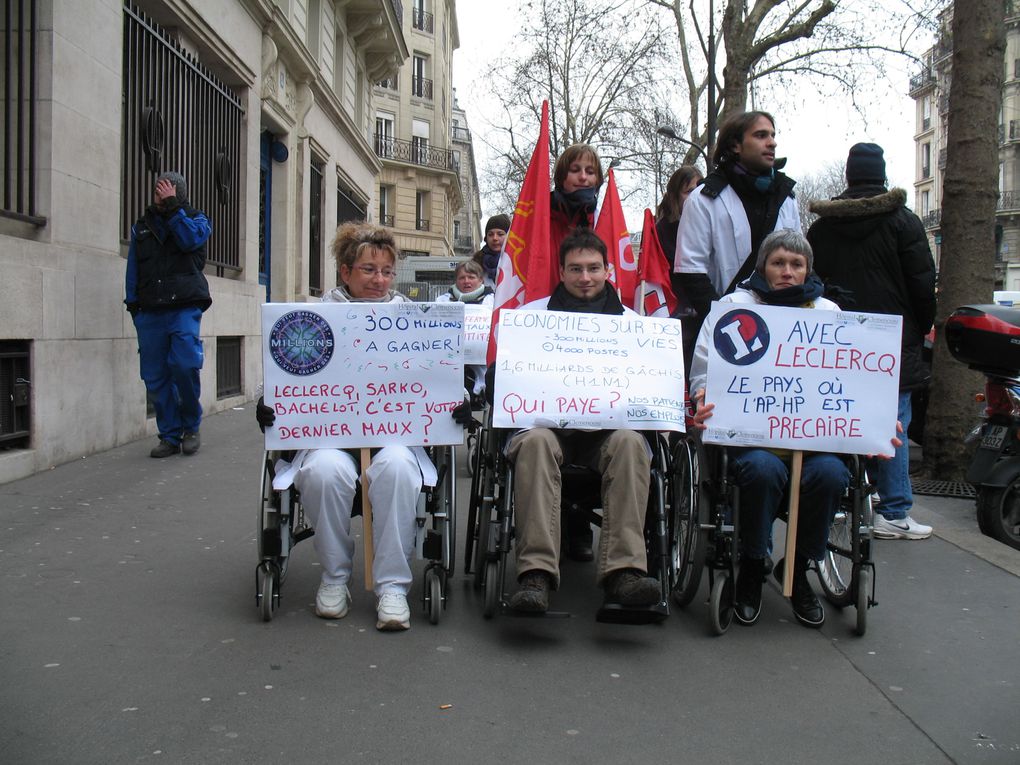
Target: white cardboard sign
<point x="588" y="371"/>
<point x="801" y="378"/>
<point x="477" y="322"/>
<point x="346" y="375"/>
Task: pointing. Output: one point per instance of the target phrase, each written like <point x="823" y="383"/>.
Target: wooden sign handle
<point x="366" y="519"/>
<point x="796" y="466"/>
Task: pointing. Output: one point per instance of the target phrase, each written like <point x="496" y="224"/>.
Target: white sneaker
<point x="332" y="601"/>
<point x="393" y="612"/>
<point x="902" y="528"/>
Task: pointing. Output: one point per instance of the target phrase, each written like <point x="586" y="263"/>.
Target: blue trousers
<point x="892" y="477"/>
<point x="763" y="479"/>
<point x="170" y="356"/>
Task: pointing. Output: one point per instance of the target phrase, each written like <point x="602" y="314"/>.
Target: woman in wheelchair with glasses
<point x="783" y="276"/>
<point x="366" y="258"/>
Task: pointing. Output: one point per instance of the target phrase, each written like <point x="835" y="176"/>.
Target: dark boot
<point x="164" y="449"/>
<point x="579" y="538"/>
<point x="630" y="587"/>
<point x="533" y="593"/>
<point x="747" y="597"/>
<point x="806" y="606"/>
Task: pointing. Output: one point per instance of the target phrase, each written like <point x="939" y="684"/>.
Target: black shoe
<point x="806" y="606"/>
<point x="747" y="597"/>
<point x="631" y="587"/>
<point x="579" y="545"/>
<point x="190" y="443"/>
<point x="164" y="449"/>
<point x="533" y="593"/>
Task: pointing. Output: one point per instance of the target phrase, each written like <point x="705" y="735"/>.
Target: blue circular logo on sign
<point x="301" y="342"/>
<point x="741" y="337"/>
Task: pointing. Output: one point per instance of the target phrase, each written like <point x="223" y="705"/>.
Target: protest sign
<point x="588" y="371"/>
<point x="477" y="322"/>
<point x="348" y="375"/>
<point x="800" y="378"/>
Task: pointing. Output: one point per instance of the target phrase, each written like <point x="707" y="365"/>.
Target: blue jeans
<point x="763" y="479"/>
<point x="170" y="356"/>
<point x="892" y="477"/>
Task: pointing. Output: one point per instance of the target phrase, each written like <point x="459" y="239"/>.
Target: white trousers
<point x="327" y="480"/>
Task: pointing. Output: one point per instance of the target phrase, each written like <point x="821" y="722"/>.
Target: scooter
<point x="987" y="338"/>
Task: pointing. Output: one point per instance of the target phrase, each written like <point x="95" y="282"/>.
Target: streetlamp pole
<point x="670" y="133"/>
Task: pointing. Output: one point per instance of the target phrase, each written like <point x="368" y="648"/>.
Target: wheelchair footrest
<point x="614" y="613"/>
<point x="302" y="535"/>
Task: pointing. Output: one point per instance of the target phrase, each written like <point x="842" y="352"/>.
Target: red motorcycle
<point x="987" y="338"/>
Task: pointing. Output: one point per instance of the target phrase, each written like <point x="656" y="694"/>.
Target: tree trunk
<point x="966" y="270"/>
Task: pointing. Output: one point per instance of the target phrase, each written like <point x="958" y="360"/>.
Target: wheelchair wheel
<point x="863" y="600"/>
<point x="433" y="595"/>
<point x="688" y="512"/>
<point x="492" y="586"/>
<point x="721" y="602"/>
<point x="836" y="569"/>
<point x="268" y="590"/>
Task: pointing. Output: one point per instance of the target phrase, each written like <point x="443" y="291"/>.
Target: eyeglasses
<point x="594" y="270"/>
<point x="371" y="272"/>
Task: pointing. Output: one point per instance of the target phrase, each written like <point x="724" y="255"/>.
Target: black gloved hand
<point x="170" y="206"/>
<point x="264" y="415"/>
<point x="462" y="413"/>
<point x="133" y="309"/>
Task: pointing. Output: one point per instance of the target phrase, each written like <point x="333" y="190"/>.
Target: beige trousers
<point x="621" y="456"/>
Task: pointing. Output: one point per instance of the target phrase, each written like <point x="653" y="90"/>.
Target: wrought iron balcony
<point x="1008" y="200"/>
<point x="422" y="224"/>
<point x="464" y="243"/>
<point x="932" y="219"/>
<point x="415" y="153"/>
<point x="923" y="79"/>
<point x="422" y="20"/>
<point x="386" y="220"/>
<point x="421" y="87"/>
<point x="460" y="134"/>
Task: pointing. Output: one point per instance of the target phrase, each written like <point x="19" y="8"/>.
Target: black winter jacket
<point x="868" y="242"/>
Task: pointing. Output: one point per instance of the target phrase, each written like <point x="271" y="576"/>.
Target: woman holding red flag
<point x="577" y="178"/>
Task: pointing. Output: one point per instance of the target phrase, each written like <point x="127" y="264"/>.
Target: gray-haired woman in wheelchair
<point x="782" y="276"/>
<point x="366" y="258"/>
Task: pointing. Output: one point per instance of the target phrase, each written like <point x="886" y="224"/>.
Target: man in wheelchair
<point x="366" y="258"/>
<point x="621" y="456"/>
<point x="783" y="276"/>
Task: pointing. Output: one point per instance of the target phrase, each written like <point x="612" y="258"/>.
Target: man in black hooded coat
<point x="866" y="241"/>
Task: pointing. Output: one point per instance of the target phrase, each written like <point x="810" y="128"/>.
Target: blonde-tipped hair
<point x="352" y="239"/>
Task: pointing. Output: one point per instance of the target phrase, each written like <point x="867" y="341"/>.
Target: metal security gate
<point x="178" y="116"/>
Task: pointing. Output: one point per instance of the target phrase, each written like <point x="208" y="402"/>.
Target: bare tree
<point x="774" y="43"/>
<point x="824" y="184"/>
<point x="967" y="265"/>
<point x="596" y="63"/>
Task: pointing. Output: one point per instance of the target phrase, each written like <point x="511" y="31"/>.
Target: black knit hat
<point x="502" y="222"/>
<point x="865" y="165"/>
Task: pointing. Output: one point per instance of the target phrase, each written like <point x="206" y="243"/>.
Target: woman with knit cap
<point x="496" y="229"/>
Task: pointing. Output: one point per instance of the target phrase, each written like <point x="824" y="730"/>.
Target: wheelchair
<point x="490" y="530"/>
<point x="282" y="525"/>
<point x="709" y="533"/>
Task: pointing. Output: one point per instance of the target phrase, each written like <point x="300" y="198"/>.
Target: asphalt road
<point x="128" y="632"/>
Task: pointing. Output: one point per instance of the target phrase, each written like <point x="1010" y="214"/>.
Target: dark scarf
<point x="490" y="261"/>
<point x="810" y="290"/>
<point x="761" y="205"/>
<point x="607" y="302"/>
<point x="577" y="205"/>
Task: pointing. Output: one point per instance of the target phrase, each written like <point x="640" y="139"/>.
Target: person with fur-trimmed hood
<point x="867" y="241"/>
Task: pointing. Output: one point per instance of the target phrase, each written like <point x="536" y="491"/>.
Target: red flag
<point x="655" y="293"/>
<point x="527" y="269"/>
<point x="612" y="229"/>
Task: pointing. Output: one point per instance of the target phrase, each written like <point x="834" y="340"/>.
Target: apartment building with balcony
<point x="419" y="190"/>
<point x="467" y="221"/>
<point x="264" y="105"/>
<point x="929" y="88"/>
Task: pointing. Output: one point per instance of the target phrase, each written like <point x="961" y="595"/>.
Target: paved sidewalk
<point x="128" y="632"/>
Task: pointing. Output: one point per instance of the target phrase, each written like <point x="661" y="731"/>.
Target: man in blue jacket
<point x="166" y="294"/>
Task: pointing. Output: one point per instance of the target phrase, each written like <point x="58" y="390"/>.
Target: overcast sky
<point x="812" y="128"/>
